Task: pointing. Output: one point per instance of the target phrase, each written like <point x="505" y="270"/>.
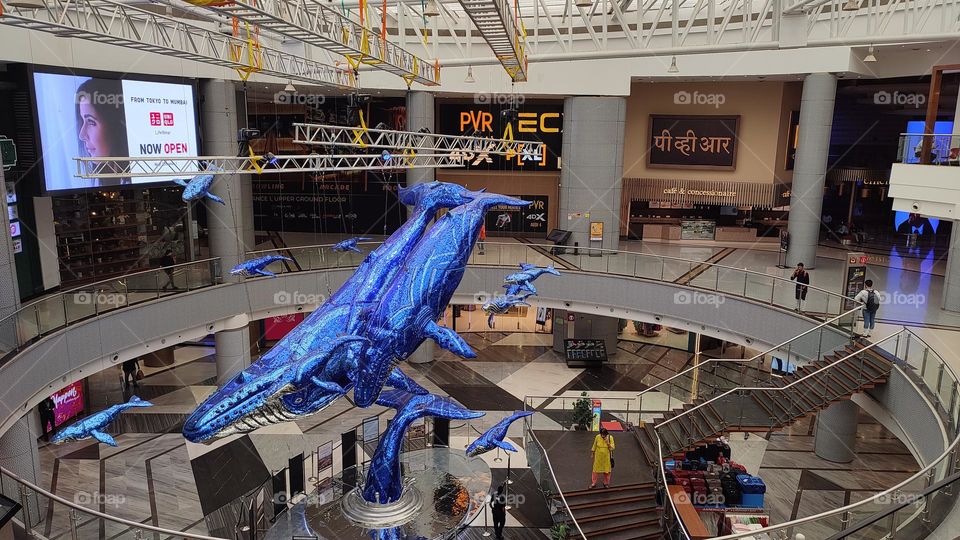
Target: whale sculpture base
<point x="448" y="487"/>
<point x="376" y="516"/>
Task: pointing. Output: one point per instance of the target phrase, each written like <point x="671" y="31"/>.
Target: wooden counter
<point x="688" y="514"/>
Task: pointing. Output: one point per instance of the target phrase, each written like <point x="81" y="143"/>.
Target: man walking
<point x="870" y="298"/>
<point x="498" y="508"/>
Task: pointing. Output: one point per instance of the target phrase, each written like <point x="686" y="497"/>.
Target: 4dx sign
<point x="542" y="123"/>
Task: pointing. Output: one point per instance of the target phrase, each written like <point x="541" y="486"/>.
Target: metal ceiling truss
<point x="503" y="32"/>
<point x="404" y="141"/>
<point x="127" y="167"/>
<point x="106" y="21"/>
<point x="317" y="24"/>
<point x="559" y="29"/>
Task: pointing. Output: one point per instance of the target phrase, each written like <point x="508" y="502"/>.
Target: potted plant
<point x="582" y="412"/>
<point x="559" y="531"/>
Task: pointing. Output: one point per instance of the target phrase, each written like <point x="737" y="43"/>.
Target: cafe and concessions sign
<point x="533" y="122"/>
<point x="693" y="142"/>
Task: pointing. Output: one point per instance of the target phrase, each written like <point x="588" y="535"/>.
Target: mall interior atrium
<point x="470" y="269"/>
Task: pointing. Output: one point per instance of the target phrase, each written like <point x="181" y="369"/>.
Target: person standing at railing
<point x="802" y="278"/>
<point x="602" y="454"/>
<point x="870" y="298"/>
<point x="167" y="262"/>
<point x="48" y="416"/>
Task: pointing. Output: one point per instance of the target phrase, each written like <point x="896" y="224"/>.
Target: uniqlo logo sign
<point x="154" y="119"/>
<point x="168" y="118"/>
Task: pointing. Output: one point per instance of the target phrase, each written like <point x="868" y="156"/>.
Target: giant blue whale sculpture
<point x="384" y="479"/>
<point x="92" y="426"/>
<point x="281" y="385"/>
<point x="407" y="312"/>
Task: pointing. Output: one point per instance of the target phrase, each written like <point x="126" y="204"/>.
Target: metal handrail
<point x="751" y="359"/>
<point x="132" y="524"/>
<point x="843" y="509"/>
<point x="548" y="247"/>
<point x="553" y="475"/>
<point x="102" y="282"/>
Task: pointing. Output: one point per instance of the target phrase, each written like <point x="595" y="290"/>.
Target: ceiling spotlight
<point x="430" y="8"/>
<point x="851" y="5"/>
<point x="673" y="66"/>
<point x="469" y="79"/>
<point x="28" y="4"/>
<point x="584" y="3"/>
<point x="290" y="88"/>
<point x="870" y="57"/>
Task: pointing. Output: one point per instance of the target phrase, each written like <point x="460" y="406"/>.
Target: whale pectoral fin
<point x="180" y="182"/>
<point x="506" y="446"/>
<point x="213" y="197"/>
<point x="490" y="320"/>
<point x="312" y="365"/>
<point x="328" y="386"/>
<point x="103" y="437"/>
<point x="449" y="340"/>
<point x="401" y="381"/>
<point x="394" y="399"/>
<point x="527" y="266"/>
<point x="266" y="273"/>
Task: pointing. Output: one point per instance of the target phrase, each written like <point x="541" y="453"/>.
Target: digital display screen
<point x="15" y="229"/>
<point x="82" y="116"/>
<point x="591" y="350"/>
<point x="68" y="402"/>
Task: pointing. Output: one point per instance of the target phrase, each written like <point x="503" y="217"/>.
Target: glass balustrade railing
<point x="941" y="149"/>
<point x="708" y="378"/>
<point x="906" y="351"/>
<point x="542" y="470"/>
<point x="56" y="311"/>
<point x="700" y="276"/>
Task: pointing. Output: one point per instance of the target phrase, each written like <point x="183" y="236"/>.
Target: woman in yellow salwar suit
<point x="602" y="452"/>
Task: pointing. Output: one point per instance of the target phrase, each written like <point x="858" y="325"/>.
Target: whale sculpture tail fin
<point x="551" y="270"/>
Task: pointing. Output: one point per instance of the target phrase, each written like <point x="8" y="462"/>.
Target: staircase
<point x="767" y="410"/>
<point x="620" y="512"/>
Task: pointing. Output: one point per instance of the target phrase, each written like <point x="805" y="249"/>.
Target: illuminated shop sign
<point x="693" y="142"/>
<point x="539" y="123"/>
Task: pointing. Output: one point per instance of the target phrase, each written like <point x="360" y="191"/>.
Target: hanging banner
<point x="529" y="219"/>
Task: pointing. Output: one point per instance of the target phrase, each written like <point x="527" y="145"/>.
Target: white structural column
<point x="809" y="174"/>
<point x="591" y="177"/>
<point x="421" y="113"/>
<point x="230" y="226"/>
<point x="836" y="434"/>
<point x="951" y="280"/>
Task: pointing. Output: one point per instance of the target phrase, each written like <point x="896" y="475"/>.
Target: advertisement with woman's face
<point x="90" y="117"/>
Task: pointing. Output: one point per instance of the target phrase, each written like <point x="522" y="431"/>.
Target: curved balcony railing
<point x="937" y="380"/>
<point x="57" y="311"/>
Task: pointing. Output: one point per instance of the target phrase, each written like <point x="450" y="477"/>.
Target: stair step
<point x="619" y="488"/>
<point x="647" y="532"/>
<point x="594" y="528"/>
<point x="648" y="444"/>
<point x="619" y="509"/>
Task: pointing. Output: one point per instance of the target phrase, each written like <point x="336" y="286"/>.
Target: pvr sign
<point x="541" y="123"/>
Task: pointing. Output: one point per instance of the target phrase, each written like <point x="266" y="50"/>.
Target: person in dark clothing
<point x="498" y="507"/>
<point x="48" y="416"/>
<point x="802" y="278"/>
<point x="167" y="262"/>
<point x="130" y="369"/>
